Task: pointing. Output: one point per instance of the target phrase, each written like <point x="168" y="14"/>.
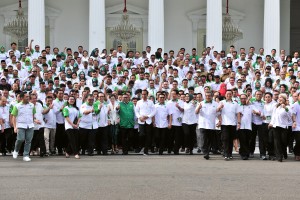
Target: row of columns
<point x="97" y="38"/>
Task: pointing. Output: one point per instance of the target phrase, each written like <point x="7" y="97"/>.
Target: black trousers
<point x="189" y="131"/>
<point x="280" y="141"/>
<point x="4" y="140"/>
<point x="244" y="137"/>
<point x="227" y="135"/>
<point x="38" y="141"/>
<point x="61" y="138"/>
<point x="146" y="132"/>
<point x="208" y="136"/>
<point x="102" y="140"/>
<point x="262" y="139"/>
<point x="87" y="140"/>
<point x="11" y="139"/>
<point x="170" y="140"/>
<point x="125" y="132"/>
<point x="73" y="138"/>
<point x="178" y="137"/>
<point x="162" y="136"/>
<point x="271" y="142"/>
<point x="291" y="138"/>
<point x="297" y="146"/>
<point x="133" y="139"/>
<point x="217" y="142"/>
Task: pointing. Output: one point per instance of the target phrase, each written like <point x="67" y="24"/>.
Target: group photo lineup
<point x="121" y="94"/>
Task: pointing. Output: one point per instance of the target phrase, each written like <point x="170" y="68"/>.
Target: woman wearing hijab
<point x="2" y="53"/>
<point x="189" y="122"/>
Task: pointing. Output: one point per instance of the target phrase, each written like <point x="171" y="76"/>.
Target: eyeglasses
<point x="101" y="96"/>
<point x="34" y="71"/>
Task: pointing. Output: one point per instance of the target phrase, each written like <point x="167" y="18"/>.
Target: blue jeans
<point x="24" y="135"/>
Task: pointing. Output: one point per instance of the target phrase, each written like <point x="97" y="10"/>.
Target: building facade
<point x="170" y="24"/>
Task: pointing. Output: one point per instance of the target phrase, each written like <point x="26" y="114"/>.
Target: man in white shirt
<point x="61" y="136"/>
<point x="120" y="52"/>
<point x="144" y="111"/>
<point x="88" y="126"/>
<point x="175" y="107"/>
<point x="257" y="127"/>
<point x="161" y="122"/>
<point x="50" y="125"/>
<point x="244" y="126"/>
<point x="15" y="50"/>
<point x="228" y="109"/>
<point x="23" y="121"/>
<point x="207" y="111"/>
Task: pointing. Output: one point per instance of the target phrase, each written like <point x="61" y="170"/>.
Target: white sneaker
<point x="15" y="154"/>
<point x="26" y="159"/>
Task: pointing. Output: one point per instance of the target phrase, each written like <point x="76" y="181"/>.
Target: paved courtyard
<point x="148" y="177"/>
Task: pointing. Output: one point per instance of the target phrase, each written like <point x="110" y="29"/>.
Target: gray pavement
<point x="148" y="177"/>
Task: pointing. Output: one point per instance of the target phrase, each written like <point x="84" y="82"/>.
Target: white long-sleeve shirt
<point x="161" y="115"/>
<point x="189" y="115"/>
<point x="296" y="111"/>
<point x="87" y="121"/>
<point x="280" y="117"/>
<point x="246" y="119"/>
<point x="50" y="118"/>
<point x="175" y="112"/>
<point x="229" y="113"/>
<point x="145" y="108"/>
<point x="207" y="115"/>
<point x="268" y="110"/>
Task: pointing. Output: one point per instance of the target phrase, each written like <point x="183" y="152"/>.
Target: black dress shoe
<point x="206" y="157"/>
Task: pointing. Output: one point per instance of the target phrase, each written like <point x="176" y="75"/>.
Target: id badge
<point x="179" y="119"/>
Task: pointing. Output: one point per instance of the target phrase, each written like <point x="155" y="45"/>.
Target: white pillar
<point x="272" y="26"/>
<point x="156" y="34"/>
<point x="52" y="31"/>
<point x="214" y="24"/>
<point x="36" y="22"/>
<point x="97" y="25"/>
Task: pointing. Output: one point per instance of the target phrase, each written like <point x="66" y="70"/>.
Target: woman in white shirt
<point x="280" y="122"/>
<point x="268" y="110"/>
<point x="189" y="122"/>
<point x="71" y="114"/>
<point x="113" y="120"/>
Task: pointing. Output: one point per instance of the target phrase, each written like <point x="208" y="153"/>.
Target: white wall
<point x="72" y="25"/>
<point x="178" y="31"/>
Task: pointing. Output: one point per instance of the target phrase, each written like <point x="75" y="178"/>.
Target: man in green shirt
<point x="126" y="113"/>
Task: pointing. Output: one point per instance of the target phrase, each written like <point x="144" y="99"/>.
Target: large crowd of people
<point x="101" y="102"/>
